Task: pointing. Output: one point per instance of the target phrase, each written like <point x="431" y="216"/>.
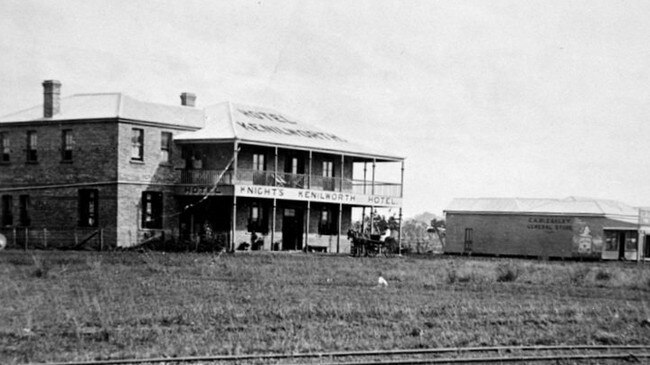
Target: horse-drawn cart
<point x="370" y="245"/>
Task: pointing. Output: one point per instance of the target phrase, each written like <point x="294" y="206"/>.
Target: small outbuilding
<point x="549" y="228"/>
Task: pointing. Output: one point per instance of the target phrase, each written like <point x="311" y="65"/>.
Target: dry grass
<point x="76" y="306"/>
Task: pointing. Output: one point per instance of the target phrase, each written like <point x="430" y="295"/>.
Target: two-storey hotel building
<point x="251" y="176"/>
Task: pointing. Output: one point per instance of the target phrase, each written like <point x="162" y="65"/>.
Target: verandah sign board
<point x="258" y="191"/>
<point x="270" y="192"/>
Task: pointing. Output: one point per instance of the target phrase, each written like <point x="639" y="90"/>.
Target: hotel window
<point x="328" y="174"/>
<point x="328" y="169"/>
<point x="67" y="145"/>
<point x="88" y="207"/>
<point x="152" y="209"/>
<point x="165" y="147"/>
<point x="259" y="177"/>
<point x="4" y="147"/>
<point x="32" y="144"/>
<point x="326" y="224"/>
<point x="7" y="210"/>
<point x="137" y="144"/>
<point x="23" y="214"/>
<point x="257" y="219"/>
<point x="258" y="162"/>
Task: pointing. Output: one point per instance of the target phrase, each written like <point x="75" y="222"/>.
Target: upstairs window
<point x="4" y="147"/>
<point x="88" y="207"/>
<point x="32" y="144"/>
<point x="67" y="144"/>
<point x="165" y="147"/>
<point x="258" y="162"/>
<point x="137" y="144"/>
<point x="24" y="211"/>
<point x="152" y="209"/>
<point x="328" y="169"/>
<point x="7" y="210"/>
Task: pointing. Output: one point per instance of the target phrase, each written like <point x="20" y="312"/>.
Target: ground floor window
<point x="24" y="211"/>
<point x="7" y="210"/>
<point x="152" y="209"/>
<point x="257" y="219"/>
<point x="88" y="207"/>
<point x="327" y="222"/>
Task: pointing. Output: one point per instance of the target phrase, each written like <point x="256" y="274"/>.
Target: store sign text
<point x="550" y="223"/>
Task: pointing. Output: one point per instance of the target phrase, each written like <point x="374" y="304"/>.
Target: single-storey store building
<point x="552" y="228"/>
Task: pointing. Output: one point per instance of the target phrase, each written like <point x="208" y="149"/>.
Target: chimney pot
<point x="51" y="98"/>
<point x="188" y="99"/>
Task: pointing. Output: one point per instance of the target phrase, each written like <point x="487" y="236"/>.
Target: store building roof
<point x="568" y="206"/>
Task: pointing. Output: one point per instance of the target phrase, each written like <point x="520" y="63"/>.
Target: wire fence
<point x="28" y="238"/>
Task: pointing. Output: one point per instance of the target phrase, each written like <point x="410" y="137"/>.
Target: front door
<point x="292" y="229"/>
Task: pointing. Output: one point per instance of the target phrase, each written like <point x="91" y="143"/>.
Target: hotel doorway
<point x="292" y="229"/>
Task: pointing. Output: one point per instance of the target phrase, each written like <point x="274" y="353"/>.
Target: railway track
<point x="453" y="355"/>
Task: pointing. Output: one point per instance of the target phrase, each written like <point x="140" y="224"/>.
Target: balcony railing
<point x="298" y="181"/>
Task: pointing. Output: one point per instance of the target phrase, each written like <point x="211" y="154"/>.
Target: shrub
<point x="507" y="272"/>
<point x="41" y="269"/>
<point x="452" y="275"/>
<point x="602" y="275"/>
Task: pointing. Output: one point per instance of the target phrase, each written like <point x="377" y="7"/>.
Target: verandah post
<point x="401" y="195"/>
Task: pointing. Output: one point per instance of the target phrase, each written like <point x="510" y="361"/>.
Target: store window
<point x="67" y="144"/>
<point x="7" y="210"/>
<point x="23" y="213"/>
<point x="137" y="144"/>
<point x="166" y="147"/>
<point x="631" y="240"/>
<point x="4" y="147"/>
<point x="32" y="145"/>
<point x="611" y="240"/>
<point x="88" y="207"/>
<point x="152" y="209"/>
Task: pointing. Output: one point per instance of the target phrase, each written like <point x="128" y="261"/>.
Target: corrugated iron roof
<point x="255" y="124"/>
<point x="220" y="122"/>
<point x="112" y="105"/>
<point x="568" y="206"/>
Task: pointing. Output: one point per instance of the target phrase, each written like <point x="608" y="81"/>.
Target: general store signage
<point x="270" y="192"/>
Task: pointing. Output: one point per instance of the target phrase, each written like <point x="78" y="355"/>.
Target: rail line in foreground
<point x="629" y="353"/>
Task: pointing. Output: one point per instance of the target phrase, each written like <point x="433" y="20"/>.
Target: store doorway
<point x="292" y="229"/>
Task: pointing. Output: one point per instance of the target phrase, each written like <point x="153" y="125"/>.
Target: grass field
<point x="58" y="306"/>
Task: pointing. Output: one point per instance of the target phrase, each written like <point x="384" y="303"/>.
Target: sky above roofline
<point x="499" y="98"/>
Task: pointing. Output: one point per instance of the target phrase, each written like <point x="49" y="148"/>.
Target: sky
<point x="528" y="99"/>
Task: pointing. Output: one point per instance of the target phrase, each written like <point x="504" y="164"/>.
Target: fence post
<point x="76" y="238"/>
<point x="45" y="237"/>
<point x="15" y="238"/>
<point x="101" y="239"/>
<point x="26" y="237"/>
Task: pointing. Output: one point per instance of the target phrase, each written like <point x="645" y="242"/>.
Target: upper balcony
<point x="288" y="180"/>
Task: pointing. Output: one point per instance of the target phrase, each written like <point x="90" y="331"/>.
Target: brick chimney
<point x="51" y="98"/>
<point x="188" y="99"/>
